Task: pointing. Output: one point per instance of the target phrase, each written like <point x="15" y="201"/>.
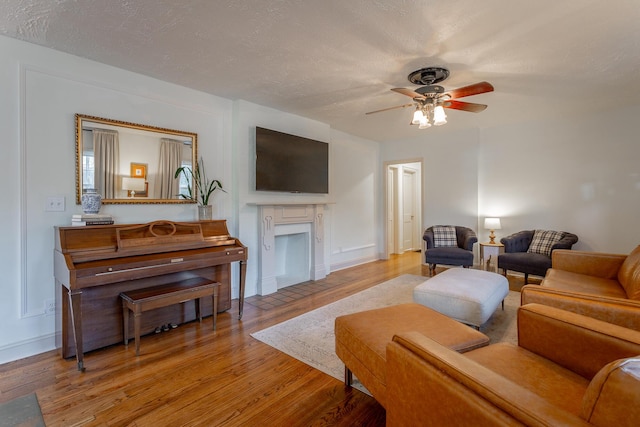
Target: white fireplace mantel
<point x="271" y="216"/>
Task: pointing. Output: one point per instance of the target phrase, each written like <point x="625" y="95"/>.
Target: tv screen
<point x="290" y="163"/>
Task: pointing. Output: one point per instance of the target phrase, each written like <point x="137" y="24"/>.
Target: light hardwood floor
<point x="196" y="377"/>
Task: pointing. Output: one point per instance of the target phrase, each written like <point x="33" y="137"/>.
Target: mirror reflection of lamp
<point x="132" y="185"/>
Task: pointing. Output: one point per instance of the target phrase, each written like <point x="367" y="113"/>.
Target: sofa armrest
<point x="469" y="239"/>
<point x="612" y="398"/>
<point x="622" y="312"/>
<point x="426" y="380"/>
<point x="597" y="264"/>
<point x="428" y="237"/>
<point x="579" y="343"/>
<point x="517" y="242"/>
<point x="567" y="241"/>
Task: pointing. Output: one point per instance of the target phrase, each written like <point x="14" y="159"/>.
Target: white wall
<point x="577" y="174"/>
<point x="246" y="117"/>
<point x="580" y="175"/>
<point x="357" y="191"/>
<point x="42" y="91"/>
<point x="449" y="175"/>
<point x="353" y="187"/>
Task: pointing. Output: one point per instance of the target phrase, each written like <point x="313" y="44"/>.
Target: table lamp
<point x="132" y="185"/>
<point x="492" y="224"/>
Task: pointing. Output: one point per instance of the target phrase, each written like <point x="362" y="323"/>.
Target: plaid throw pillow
<point x="543" y="240"/>
<point x="444" y="236"/>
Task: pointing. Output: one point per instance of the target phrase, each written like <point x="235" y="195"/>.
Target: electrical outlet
<point x="54" y="204"/>
<point x="49" y="306"/>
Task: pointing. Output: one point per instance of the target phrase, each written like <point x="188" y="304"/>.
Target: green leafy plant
<point x="199" y="188"/>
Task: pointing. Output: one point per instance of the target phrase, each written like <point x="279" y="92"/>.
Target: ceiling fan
<point x="431" y="99"/>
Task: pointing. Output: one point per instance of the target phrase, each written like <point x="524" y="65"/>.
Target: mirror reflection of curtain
<point x="170" y="161"/>
<point x="106" y="149"/>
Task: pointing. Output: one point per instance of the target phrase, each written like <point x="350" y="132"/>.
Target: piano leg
<point x="125" y="322"/>
<point x="75" y="299"/>
<point x="137" y="318"/>
<point x="243" y="275"/>
<point x="214" y="302"/>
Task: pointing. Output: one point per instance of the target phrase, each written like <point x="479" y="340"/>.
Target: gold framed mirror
<point x="132" y="163"/>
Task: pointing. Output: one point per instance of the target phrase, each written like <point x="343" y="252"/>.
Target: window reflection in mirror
<point x="131" y="163"/>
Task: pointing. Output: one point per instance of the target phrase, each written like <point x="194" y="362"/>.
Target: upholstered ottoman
<point x="362" y="338"/>
<point x="469" y="296"/>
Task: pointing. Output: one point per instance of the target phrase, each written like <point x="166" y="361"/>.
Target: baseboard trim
<point x="352" y="263"/>
<point x="27" y="348"/>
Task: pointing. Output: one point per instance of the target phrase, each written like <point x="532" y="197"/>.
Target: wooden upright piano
<point x="94" y="264"/>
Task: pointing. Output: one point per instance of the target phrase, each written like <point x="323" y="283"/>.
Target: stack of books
<point x="91" y="219"/>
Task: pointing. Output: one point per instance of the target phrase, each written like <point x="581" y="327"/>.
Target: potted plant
<point x="199" y="188"/>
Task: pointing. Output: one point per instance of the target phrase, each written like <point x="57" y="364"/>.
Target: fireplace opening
<point x="292" y="259"/>
<point x="292" y="246"/>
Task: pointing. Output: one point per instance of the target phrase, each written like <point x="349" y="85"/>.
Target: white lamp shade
<point x="418" y="116"/>
<point x="492" y="224"/>
<point x="439" y="117"/>
<point x="133" y="184"/>
<point x="424" y="123"/>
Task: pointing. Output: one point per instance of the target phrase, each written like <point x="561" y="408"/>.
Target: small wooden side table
<point x="489" y="255"/>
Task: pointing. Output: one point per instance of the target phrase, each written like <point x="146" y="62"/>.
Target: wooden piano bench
<point x="141" y="300"/>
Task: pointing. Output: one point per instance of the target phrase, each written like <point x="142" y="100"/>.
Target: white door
<point x="391" y="241"/>
<point x="408" y="209"/>
<point x="403" y="210"/>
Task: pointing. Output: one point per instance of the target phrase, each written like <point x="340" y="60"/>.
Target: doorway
<point x="403" y="206"/>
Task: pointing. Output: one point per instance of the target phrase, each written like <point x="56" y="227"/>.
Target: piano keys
<point x="94" y="264"/>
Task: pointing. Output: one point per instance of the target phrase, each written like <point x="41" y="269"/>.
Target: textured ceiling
<point x="334" y="60"/>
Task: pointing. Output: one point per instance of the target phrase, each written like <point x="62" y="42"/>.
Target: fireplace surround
<point x="287" y="224"/>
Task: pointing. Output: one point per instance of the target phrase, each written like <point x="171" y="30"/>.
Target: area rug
<point x="310" y="338"/>
<point x="23" y="411"/>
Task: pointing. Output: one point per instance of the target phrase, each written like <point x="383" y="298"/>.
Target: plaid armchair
<point x="529" y="251"/>
<point x="449" y="245"/>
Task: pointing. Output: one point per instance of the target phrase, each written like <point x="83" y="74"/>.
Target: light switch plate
<point x="54" y="204"/>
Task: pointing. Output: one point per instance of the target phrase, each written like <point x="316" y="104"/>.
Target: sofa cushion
<point x="565" y="389"/>
<point x="449" y="256"/>
<point x="444" y="236"/>
<point x="612" y="398"/>
<point x="525" y="262"/>
<point x="543" y="240"/>
<point x="582" y="283"/>
<point x="629" y="274"/>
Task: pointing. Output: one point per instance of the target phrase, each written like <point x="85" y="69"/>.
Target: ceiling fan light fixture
<point x="424" y="122"/>
<point x="430" y="99"/>
<point x="439" y="117"/>
<point x="417" y="117"/>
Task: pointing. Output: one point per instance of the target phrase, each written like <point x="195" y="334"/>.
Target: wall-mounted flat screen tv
<point x="290" y="163"/>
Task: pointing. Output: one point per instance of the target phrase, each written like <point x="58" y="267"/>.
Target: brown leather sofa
<point x="600" y="285"/>
<point x="567" y="369"/>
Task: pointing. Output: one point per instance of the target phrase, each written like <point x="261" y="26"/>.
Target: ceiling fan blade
<point x="392" y="108"/>
<point x="407" y="92"/>
<point x="464" y="106"/>
<point x="474" y="89"/>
